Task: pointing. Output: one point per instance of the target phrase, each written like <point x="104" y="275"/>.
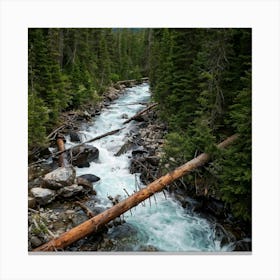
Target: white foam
<point x="164" y="224"/>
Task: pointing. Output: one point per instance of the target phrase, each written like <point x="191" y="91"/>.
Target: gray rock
<point x="83" y="155"/>
<point x="60" y="177"/>
<point x="153" y="160"/>
<point x="70" y="190"/>
<point x="112" y="94"/>
<point x="35" y="183"/>
<point x="84" y="182"/>
<point x="88" y="186"/>
<point x="124" y="116"/>
<point x="74" y="137"/>
<point x="35" y="241"/>
<point x="87" y="115"/>
<point x="243" y="245"/>
<point x="43" y="196"/>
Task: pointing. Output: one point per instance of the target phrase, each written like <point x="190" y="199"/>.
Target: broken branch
<point x="94" y="224"/>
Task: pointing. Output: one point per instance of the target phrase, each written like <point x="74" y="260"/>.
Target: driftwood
<point x="135" y="103"/>
<point x="88" y="141"/>
<point x="132" y="81"/>
<point x="97" y="222"/>
<point x="88" y="211"/>
<point x="140" y="113"/>
<point x="56" y="130"/>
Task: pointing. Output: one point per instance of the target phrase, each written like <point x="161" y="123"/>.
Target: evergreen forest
<point x="200" y="78"/>
<point x="68" y="67"/>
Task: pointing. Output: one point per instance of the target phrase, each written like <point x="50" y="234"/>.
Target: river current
<point x="161" y="223"/>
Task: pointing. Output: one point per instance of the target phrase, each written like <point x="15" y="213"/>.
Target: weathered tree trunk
<point x="140" y="113"/>
<point x="61" y="148"/>
<point x="88" y="211"/>
<point x="127" y="82"/>
<point x="97" y="222"/>
<point x="90" y="140"/>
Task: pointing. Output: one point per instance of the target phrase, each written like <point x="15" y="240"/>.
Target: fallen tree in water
<point x="140" y="113"/>
<point x="97" y="222"/>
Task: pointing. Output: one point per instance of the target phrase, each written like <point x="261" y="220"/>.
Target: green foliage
<point x="237" y="160"/>
<point x="37" y="120"/>
<point x="69" y="67"/>
<point x="202" y="82"/>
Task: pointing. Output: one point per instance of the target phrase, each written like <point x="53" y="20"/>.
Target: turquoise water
<point x="163" y="224"/>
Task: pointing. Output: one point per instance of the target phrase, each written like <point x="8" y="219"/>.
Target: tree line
<point x="68" y="67"/>
<point x="200" y="78"/>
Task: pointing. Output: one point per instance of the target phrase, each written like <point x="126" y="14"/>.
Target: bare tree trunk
<point x="140" y="113"/>
<point x="88" y="211"/>
<point x="61" y="148"/>
<point x="88" y="141"/>
<point x="97" y="222"/>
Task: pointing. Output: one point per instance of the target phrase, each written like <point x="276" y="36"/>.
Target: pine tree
<point x="69" y="67"/>
<point x="201" y="80"/>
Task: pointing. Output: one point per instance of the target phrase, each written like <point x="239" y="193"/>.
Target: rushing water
<point x="160" y="223"/>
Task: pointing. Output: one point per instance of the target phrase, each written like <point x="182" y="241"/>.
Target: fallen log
<point x="132" y="81"/>
<point x="97" y="222"/>
<point x="88" y="211"/>
<point x="88" y="141"/>
<point x="140" y="113"/>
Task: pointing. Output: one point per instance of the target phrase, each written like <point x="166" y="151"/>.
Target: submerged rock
<point x="124" y="116"/>
<point x="123" y="237"/>
<point x="74" y="137"/>
<point x="43" y="196"/>
<point x="90" y="177"/>
<point x="60" y="177"/>
<point x="83" y="155"/>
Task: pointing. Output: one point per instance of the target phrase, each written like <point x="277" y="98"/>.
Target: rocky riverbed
<point x="53" y="191"/>
<point x="57" y="193"/>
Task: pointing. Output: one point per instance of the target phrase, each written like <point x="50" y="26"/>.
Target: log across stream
<point x="162" y="223"/>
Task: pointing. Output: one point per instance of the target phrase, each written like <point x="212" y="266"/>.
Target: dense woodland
<point x="201" y="79"/>
<point x="72" y="66"/>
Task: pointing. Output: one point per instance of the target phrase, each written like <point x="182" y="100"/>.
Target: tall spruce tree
<point x="201" y="80"/>
<point x="69" y="67"/>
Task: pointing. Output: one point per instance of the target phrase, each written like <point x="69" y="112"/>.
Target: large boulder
<point x="43" y="196"/>
<point x="60" y="177"/>
<point x="83" y="155"/>
<point x="70" y="190"/>
<point x="112" y="94"/>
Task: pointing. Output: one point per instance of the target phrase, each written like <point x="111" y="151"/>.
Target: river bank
<point x="141" y="153"/>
